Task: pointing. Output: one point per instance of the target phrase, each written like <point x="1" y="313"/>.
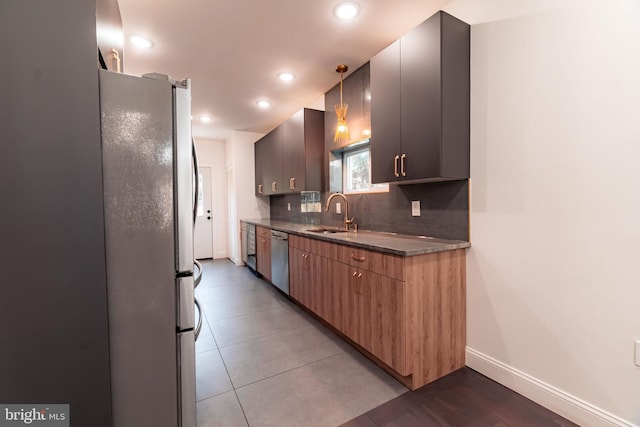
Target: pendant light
<point x="342" y="130"/>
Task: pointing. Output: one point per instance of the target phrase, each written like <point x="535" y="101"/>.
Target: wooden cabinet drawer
<point x="377" y="262"/>
<point x="314" y="246"/>
<point x="263" y="232"/>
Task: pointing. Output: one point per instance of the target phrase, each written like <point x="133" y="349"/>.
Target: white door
<point x="203" y="233"/>
<point x="234" y="235"/>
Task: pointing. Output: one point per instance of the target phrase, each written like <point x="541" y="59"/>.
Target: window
<point x="356" y="168"/>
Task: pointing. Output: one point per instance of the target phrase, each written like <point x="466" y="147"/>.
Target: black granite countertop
<point x="392" y="243"/>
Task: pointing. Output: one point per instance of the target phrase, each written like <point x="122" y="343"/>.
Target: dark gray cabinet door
<point x="385" y="114"/>
<point x="268" y="163"/>
<point x="314" y="154"/>
<point x="293" y="143"/>
<point x="420" y="101"/>
<point x="420" y="104"/>
<point x="274" y="162"/>
<point x="289" y="159"/>
<point x="261" y="153"/>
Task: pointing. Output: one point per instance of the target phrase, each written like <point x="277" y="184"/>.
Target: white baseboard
<point x="560" y="402"/>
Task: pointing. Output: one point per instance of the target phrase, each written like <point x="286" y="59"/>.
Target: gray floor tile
<point x="222" y="410"/>
<point x="288" y="369"/>
<point x="242" y="328"/>
<point x="260" y="358"/>
<point x="224" y="307"/>
<point x="236" y="285"/>
<point x="322" y="394"/>
<point x="205" y="341"/>
<point x="211" y="376"/>
<point x="222" y="273"/>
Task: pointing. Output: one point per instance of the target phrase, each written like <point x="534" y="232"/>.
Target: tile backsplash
<point x="444" y="209"/>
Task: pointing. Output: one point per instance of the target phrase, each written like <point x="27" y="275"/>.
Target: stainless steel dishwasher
<point x="280" y="260"/>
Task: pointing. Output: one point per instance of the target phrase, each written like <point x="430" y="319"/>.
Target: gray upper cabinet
<point x="420" y="104"/>
<point x="268" y="166"/>
<point x="290" y="158"/>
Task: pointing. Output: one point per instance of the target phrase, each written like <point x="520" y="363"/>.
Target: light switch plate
<point x="338" y="208"/>
<point x="415" y="208"/>
<point x="637" y="352"/>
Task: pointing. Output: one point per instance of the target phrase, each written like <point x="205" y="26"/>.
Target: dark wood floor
<point x="463" y="398"/>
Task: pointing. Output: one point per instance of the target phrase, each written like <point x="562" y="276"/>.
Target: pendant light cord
<point x="341" y="88"/>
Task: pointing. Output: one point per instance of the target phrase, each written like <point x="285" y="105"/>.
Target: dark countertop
<point x="392" y="243"/>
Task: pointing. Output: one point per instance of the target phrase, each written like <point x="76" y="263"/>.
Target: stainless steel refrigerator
<point x="148" y="169"/>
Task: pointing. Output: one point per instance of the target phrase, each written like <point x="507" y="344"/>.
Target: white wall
<point x="553" y="288"/>
<point x="212" y="153"/>
<point x="242" y="202"/>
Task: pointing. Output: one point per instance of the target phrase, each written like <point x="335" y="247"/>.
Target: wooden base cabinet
<point x="389" y="338"/>
<point x="406" y="313"/>
<point x="303" y="267"/>
<point x="263" y="252"/>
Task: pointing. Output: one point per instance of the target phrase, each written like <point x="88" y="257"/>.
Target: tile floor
<point x="263" y="361"/>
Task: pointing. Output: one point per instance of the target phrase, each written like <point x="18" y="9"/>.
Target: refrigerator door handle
<point x="198" y="276"/>
<point x="199" y="325"/>
<point x="196" y="170"/>
<point x="186" y="310"/>
<point x="183" y="180"/>
<point x="187" y="375"/>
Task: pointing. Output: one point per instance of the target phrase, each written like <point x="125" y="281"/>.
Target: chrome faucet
<point x="347" y="220"/>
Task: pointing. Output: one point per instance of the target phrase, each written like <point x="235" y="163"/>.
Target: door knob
<point x="208" y="217"/>
<point x="208" y="210"/>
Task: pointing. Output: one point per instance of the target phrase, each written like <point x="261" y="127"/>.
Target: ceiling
<point x="233" y="51"/>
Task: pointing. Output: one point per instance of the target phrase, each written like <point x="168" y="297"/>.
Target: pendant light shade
<point x="342" y="130"/>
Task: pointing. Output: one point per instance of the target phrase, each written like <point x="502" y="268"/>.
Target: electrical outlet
<point x="415" y="208"/>
<point x="338" y="208"/>
<point x="637" y="352"/>
<point x="288" y="206"/>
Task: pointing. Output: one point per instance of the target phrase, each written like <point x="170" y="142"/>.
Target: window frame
<point x="346" y="175"/>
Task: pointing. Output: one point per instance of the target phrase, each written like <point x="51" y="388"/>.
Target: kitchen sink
<point x="326" y="230"/>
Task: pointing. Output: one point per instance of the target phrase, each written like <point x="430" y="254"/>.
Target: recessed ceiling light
<point x="140" y="41"/>
<point x="205" y="119"/>
<point x="346" y="10"/>
<point x="263" y="103"/>
<point x="286" y="76"/>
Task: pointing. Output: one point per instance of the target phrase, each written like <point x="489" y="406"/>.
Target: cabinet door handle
<point x="274" y="186"/>
<point x="395" y="166"/>
<point x="292" y="184"/>
<point x="357" y="286"/>
<point x="260" y="189"/>
<point x="402" y="164"/>
<point x="357" y="258"/>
